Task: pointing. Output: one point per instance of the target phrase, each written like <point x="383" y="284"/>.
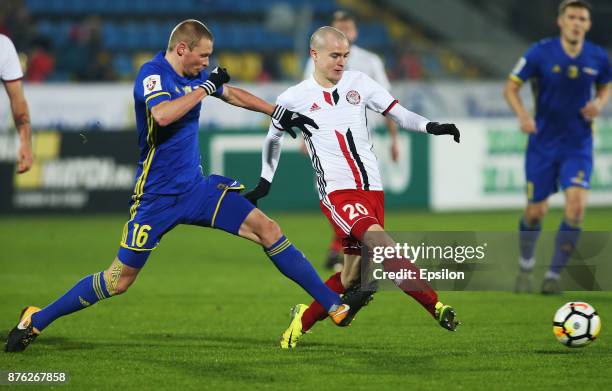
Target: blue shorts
<point x="546" y="173"/>
<point x="213" y="202"/>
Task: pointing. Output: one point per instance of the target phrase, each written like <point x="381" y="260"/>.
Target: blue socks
<point x="528" y="236"/>
<point x="86" y="292"/>
<point x="292" y="263"/>
<point x="565" y="243"/>
<point x="288" y="259"/>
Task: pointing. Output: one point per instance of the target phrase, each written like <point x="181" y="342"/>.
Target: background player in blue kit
<point x="563" y="72"/>
<point x="170" y="187"/>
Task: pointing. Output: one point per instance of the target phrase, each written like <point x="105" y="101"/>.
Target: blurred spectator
<point x="409" y="66"/>
<point x="101" y="69"/>
<point x="76" y="49"/>
<point x="83" y="57"/>
<point x="18" y="23"/>
<point x="41" y="62"/>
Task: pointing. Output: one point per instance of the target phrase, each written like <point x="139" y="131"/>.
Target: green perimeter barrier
<point x="237" y="154"/>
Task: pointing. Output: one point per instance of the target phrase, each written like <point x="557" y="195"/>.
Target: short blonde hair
<point x="317" y="39"/>
<point x="190" y="31"/>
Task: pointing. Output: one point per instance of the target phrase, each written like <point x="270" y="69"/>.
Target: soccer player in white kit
<point x="369" y="63"/>
<point x="11" y="75"/>
<point x="348" y="180"/>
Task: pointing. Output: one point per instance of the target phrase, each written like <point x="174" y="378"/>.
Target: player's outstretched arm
<point x="270" y="157"/>
<point x="412" y="121"/>
<point x="286" y="118"/>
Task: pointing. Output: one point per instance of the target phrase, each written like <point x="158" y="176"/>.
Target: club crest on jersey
<point x="314" y="107"/>
<point x="572" y="71"/>
<point x="590" y="71"/>
<point x="353" y="97"/>
<point x="151" y="83"/>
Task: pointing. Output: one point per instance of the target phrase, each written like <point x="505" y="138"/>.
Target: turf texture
<point x="207" y="310"/>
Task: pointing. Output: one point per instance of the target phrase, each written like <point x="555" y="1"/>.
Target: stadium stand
<point x="109" y="39"/>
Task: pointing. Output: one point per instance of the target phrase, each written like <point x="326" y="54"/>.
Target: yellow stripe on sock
<point x="100" y="277"/>
<point x="278" y="249"/>
<point x="96" y="286"/>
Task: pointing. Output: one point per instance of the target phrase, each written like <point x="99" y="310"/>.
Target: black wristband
<point x="209" y="87"/>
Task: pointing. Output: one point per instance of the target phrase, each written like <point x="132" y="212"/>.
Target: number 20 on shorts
<point x="354" y="210"/>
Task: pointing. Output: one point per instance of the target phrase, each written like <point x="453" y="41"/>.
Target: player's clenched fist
<point x="216" y="79"/>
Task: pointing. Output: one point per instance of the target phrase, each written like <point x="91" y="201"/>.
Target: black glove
<point x="288" y="119"/>
<point x="260" y="191"/>
<point x="438" y="129"/>
<point x="216" y="79"/>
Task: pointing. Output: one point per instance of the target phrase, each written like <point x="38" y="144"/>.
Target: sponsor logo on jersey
<point x="590" y="71"/>
<point x="572" y="71"/>
<point x="314" y="107"/>
<point x="353" y="97"/>
<point x="556" y="69"/>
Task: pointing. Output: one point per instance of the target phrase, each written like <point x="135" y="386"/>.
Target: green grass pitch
<point x="207" y="311"/>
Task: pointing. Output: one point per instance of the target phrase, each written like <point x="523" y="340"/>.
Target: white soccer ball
<point x="576" y="324"/>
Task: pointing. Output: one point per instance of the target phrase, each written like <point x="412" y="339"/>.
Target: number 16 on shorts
<point x="136" y="236"/>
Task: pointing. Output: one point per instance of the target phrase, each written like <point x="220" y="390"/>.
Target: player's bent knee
<point x="270" y="232"/>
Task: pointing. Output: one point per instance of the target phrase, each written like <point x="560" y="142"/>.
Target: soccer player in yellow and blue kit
<point x="171" y="189"/>
<point x="564" y="72"/>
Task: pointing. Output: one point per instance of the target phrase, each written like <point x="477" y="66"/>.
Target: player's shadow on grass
<point x="59" y="343"/>
<point x="239" y="341"/>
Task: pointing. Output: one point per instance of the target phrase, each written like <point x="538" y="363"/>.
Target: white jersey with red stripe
<point x="341" y="149"/>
